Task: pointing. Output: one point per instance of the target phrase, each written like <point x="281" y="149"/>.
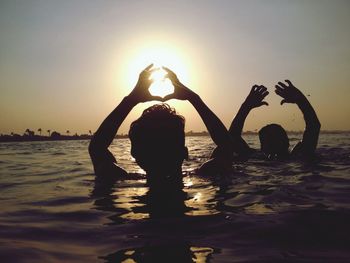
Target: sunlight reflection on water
<point x="49" y="198"/>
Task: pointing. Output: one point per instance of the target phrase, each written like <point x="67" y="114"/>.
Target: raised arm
<point x="216" y="128"/>
<point x="103" y="160"/>
<point x="291" y="94"/>
<point x="254" y="100"/>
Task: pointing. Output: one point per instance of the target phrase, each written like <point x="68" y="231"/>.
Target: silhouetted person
<point x="157" y="141"/>
<point x="273" y="138"/>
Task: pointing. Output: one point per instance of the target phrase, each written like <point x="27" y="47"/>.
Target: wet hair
<point x="274" y="140"/>
<point x="158" y="137"/>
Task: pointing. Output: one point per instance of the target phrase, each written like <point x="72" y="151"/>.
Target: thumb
<point x="168" y="97"/>
<point x="157" y="98"/>
<point x="283" y="101"/>
<point x="264" y="103"/>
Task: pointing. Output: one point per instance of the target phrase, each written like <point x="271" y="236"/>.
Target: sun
<point x="158" y="55"/>
<point x="161" y="85"/>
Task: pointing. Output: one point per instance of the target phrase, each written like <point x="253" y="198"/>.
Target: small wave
<point x="4" y="186"/>
<point x="25" y="153"/>
<point x="62" y="201"/>
<point x="78" y="169"/>
<point x="58" y="153"/>
<point x="55" y="200"/>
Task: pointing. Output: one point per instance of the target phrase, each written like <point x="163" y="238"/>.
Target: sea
<point x="52" y="209"/>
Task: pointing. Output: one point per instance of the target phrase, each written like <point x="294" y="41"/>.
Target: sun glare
<point x="159" y="56"/>
<point x="161" y="85"/>
<point x="158" y="74"/>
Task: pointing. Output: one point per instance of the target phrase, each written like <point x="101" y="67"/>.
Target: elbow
<point x="314" y="125"/>
<point x="318" y="125"/>
<point x="91" y="147"/>
<point x="95" y="146"/>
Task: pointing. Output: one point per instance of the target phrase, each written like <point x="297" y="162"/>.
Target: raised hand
<point x="256" y="97"/>
<point x="181" y="92"/>
<point x="217" y="130"/>
<point x="141" y="93"/>
<point x="289" y="93"/>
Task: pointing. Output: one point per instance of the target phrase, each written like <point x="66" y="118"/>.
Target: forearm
<point x="238" y="122"/>
<point x="310" y="116"/>
<point x="312" y="130"/>
<point x="109" y="127"/>
<point x="215" y="127"/>
<point x="239" y="144"/>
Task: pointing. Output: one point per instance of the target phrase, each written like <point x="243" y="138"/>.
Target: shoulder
<point x="249" y="154"/>
<point x="299" y="150"/>
<point x="215" y="167"/>
<point x="302" y="151"/>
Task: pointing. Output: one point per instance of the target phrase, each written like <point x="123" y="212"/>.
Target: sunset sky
<point x="65" y="65"/>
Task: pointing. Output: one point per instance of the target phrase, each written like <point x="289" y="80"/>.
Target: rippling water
<point x="52" y="211"/>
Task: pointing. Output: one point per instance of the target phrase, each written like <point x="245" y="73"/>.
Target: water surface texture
<point x="264" y="211"/>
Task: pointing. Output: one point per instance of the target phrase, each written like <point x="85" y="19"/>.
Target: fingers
<point x="157" y="98"/>
<point x="282" y="85"/>
<point x="262" y="88"/>
<point x="264" y="93"/>
<point x="148" y="67"/>
<point x="152" y="70"/>
<point x="279" y="88"/>
<point x="259" y="90"/>
<point x="169" y="71"/>
<point x="286" y="90"/>
<point x="171" y="75"/>
<point x="254" y="88"/>
<point x="289" y="82"/>
<point x="144" y="73"/>
<point x="279" y="91"/>
<point x="168" y="97"/>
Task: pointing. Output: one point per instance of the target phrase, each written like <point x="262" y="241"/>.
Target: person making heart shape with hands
<point x="158" y="137"/>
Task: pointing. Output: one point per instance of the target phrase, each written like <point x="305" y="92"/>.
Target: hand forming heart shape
<point x="161" y="84"/>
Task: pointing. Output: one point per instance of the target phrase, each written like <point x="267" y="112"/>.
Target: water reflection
<point x="169" y="253"/>
<point x="160" y="204"/>
<point x="135" y="198"/>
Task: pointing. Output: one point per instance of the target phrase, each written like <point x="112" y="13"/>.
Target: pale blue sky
<point x="63" y="63"/>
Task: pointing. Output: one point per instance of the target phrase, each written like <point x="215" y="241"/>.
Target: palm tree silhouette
<point x="28" y="132"/>
<point x="49" y="131"/>
<point x="67" y="132"/>
<point x="39" y="130"/>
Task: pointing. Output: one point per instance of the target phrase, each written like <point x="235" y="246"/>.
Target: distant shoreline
<point x="38" y="138"/>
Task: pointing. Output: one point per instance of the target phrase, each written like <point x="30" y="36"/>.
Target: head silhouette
<point x="158" y="140"/>
<point x="274" y="140"/>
